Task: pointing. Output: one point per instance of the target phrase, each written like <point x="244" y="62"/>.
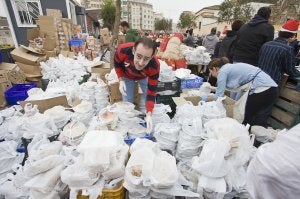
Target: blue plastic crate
<point x="129" y="140"/>
<point x="76" y="42"/>
<point x="18" y="93"/>
<point x="191" y="83"/>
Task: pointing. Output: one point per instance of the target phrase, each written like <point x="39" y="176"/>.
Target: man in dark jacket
<point x="252" y="36"/>
<point x="189" y="40"/>
<point x="132" y="35"/>
<point x="225" y="47"/>
<point x="277" y="57"/>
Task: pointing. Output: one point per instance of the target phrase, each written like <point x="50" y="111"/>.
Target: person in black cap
<point x="252" y="36"/>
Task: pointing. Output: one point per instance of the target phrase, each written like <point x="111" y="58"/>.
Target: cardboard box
<point x="228" y="103"/>
<point x="101" y="70"/>
<point x="25" y="56"/>
<point x="116" y="96"/>
<point x="33" y="33"/>
<point x="36" y="80"/>
<point x="54" y="12"/>
<point x="51" y="53"/>
<point x="3" y="87"/>
<point x="104" y="32"/>
<point x="30" y="70"/>
<point x="46" y="104"/>
<point x="3" y="76"/>
<point x="14" y="74"/>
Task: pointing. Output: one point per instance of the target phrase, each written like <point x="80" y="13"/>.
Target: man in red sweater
<point x="137" y="62"/>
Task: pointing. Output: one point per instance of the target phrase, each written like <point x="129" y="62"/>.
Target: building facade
<point x="206" y="19"/>
<point x="140" y="15"/>
<point x="91" y="4"/>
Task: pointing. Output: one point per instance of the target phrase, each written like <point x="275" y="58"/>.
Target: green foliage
<point x="108" y="13"/>
<point x="163" y="24"/>
<point x="231" y="10"/>
<point x="186" y="20"/>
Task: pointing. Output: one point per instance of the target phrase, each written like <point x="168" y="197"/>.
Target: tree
<point x="108" y="13"/>
<point x="186" y="20"/>
<point x="114" y="40"/>
<point x="231" y="10"/>
<point x="163" y="24"/>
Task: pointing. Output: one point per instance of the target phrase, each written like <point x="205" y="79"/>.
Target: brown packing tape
<point x="46" y="104"/>
<point x="30" y="69"/>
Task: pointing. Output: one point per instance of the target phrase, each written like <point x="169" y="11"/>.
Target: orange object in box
<point x="181" y="63"/>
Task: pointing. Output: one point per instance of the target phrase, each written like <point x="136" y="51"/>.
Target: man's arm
<point x="289" y="64"/>
<point x="152" y="87"/>
<point x="119" y="62"/>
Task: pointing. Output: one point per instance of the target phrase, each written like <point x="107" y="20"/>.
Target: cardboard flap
<point x="8" y="66"/>
<point x="33" y="50"/>
<point x="46" y="104"/>
<point x="24" y="56"/>
<point x="49" y="44"/>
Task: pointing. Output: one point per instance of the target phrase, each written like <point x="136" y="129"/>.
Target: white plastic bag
<point x="164" y="171"/>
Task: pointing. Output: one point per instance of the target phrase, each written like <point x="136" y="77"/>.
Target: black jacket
<point x="225" y="47"/>
<point x="250" y="39"/>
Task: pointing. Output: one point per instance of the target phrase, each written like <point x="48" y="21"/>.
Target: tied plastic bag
<point x="79" y="175"/>
<point x="8" y="155"/>
<point x="42" y="165"/>
<point x="45" y="182"/>
<point x="164" y="171"/>
<point x="211" y="162"/>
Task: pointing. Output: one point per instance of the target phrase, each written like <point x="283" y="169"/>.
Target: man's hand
<point x="122" y="87"/>
<point x="149" y="122"/>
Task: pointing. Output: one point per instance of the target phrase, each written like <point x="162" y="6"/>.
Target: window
<point x="26" y="12"/>
<point x="199" y="25"/>
<point x="73" y="13"/>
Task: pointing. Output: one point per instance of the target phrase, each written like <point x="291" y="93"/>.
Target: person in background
<point x="295" y="44"/>
<point x="225" y="47"/>
<point x="277" y="57"/>
<point x="189" y="40"/>
<point x="252" y="36"/>
<point x="262" y="93"/>
<point x="210" y="41"/>
<point x="132" y="35"/>
<point x="137" y="62"/>
<point x="218" y="34"/>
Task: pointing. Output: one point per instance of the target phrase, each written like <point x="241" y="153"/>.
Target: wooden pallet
<point x="286" y="111"/>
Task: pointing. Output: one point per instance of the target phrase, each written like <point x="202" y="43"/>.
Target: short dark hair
<point x="285" y="35"/>
<point x="218" y="62"/>
<point x="264" y="12"/>
<point x="236" y="25"/>
<point x="213" y="31"/>
<point x="124" y="24"/>
<point x="146" y="42"/>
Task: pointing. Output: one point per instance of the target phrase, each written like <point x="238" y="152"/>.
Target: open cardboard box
<point x="227" y="102"/>
<point x="46" y="104"/>
<point x="101" y="69"/>
<point x="26" y="56"/>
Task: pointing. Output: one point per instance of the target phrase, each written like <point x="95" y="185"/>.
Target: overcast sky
<point x="173" y="8"/>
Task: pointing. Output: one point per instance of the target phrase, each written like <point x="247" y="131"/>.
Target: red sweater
<point x="124" y="66"/>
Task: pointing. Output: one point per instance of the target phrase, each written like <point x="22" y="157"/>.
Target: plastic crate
<point x="191" y="83"/>
<point x="173" y="86"/>
<point x="76" y="42"/>
<point x="129" y="140"/>
<point x="18" y="93"/>
<point x="118" y="193"/>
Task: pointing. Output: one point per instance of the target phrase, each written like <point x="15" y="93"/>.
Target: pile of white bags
<point x="159" y="114"/>
<point x="197" y="56"/>
<point x="90" y="170"/>
<point x="96" y="93"/>
<point x="65" y="69"/>
<point x="166" y="73"/>
<point x="151" y="173"/>
<point x="166" y="135"/>
<point x="190" y="139"/>
<point x="83" y="112"/>
<point x="223" y="159"/>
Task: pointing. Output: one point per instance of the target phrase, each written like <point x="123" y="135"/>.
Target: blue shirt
<point x="276" y="58"/>
<point x="232" y="76"/>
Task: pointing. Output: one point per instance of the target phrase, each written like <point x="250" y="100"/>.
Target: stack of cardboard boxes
<point x="93" y="48"/>
<point x="104" y="37"/>
<point x="29" y="61"/>
<point x="63" y="28"/>
<point x="9" y="74"/>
